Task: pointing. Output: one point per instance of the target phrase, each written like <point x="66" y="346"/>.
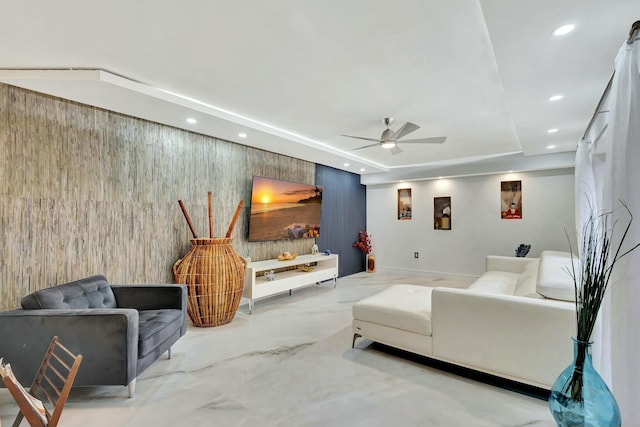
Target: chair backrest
<point x="51" y="386"/>
<point x="90" y="292"/>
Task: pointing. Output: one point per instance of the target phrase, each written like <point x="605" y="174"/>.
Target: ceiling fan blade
<point x="361" y="137"/>
<point x="366" y="146"/>
<point x="405" y="129"/>
<point x="435" y="140"/>
<point x="395" y="150"/>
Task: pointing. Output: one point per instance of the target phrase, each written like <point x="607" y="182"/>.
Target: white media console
<point x="288" y="275"/>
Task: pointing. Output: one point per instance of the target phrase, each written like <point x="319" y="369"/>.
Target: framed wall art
<point x="442" y="213"/>
<point x="404" y="204"/>
<point x="511" y="199"/>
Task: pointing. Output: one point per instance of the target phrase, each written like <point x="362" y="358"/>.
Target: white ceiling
<point x="297" y="74"/>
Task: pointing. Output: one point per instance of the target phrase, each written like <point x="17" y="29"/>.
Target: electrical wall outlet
<point x="415" y="255"/>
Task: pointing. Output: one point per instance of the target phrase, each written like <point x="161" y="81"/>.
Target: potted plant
<point x="579" y="397"/>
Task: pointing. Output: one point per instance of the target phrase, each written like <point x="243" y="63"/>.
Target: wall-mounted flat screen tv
<point x="282" y="210"/>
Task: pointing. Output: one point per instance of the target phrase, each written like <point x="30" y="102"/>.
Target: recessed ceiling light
<point x="192" y="121"/>
<point x="346" y="164"/>
<point x="555" y="98"/>
<point x="362" y="169"/>
<point x="242" y="135"/>
<point x="565" y="29"/>
<point x="554" y="130"/>
<point x="551" y="147"/>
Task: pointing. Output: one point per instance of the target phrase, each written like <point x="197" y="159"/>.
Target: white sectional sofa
<point x="515" y="321"/>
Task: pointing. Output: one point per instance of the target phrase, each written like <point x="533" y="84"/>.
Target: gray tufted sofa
<point x="119" y="330"/>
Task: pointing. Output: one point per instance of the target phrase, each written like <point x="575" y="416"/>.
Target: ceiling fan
<point x="390" y="139"/>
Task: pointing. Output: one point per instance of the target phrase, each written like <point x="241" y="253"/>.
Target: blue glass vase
<point x="580" y="397"/>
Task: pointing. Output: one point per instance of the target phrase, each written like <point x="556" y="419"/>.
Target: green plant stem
<point x="575" y="384"/>
<point x="596" y="267"/>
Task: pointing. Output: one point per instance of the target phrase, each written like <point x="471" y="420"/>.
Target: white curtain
<point x="585" y="185"/>
<point x="609" y="173"/>
<point x="590" y="168"/>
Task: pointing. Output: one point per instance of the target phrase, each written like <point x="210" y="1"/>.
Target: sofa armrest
<point x="150" y="297"/>
<point x="153" y="297"/>
<point x="525" y="339"/>
<point x="106" y="338"/>
<point x="506" y="263"/>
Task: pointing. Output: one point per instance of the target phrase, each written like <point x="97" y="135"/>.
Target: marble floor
<point x="290" y="364"/>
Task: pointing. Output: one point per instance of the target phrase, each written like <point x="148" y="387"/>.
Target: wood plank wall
<point x="344" y="213"/>
<point x="87" y="191"/>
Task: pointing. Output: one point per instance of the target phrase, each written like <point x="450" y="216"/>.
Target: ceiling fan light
<point x="388" y="144"/>
<point x="564" y="29"/>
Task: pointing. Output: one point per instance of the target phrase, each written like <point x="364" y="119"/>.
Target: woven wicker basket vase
<point x="214" y="275"/>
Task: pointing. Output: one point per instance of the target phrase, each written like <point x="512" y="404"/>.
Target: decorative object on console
<point x="511" y="199"/>
<point x="580" y="397"/>
<point x="286" y="256"/>
<point x="442" y="213"/>
<point x="214" y="274"/>
<point x="522" y="250"/>
<point x="306" y="268"/>
<point x="314" y="249"/>
<point x="270" y="276"/>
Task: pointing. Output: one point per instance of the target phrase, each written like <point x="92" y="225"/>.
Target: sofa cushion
<point x="495" y="282"/>
<point x="91" y="292"/>
<point x="554" y="276"/>
<point x="155" y="327"/>
<point x="406" y="307"/>
<point x="526" y="284"/>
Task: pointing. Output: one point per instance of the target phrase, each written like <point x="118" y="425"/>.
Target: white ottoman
<point x="399" y="316"/>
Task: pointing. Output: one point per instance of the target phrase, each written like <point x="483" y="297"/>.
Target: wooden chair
<point x="51" y="386"/>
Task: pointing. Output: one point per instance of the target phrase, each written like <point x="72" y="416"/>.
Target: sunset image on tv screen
<point x="284" y="210"/>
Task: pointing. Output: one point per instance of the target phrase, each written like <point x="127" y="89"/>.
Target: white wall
<point x="477" y="228"/>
